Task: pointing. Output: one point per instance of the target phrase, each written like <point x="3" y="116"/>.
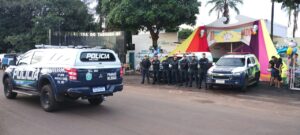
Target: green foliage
<point x="184" y="33"/>
<point x="151" y="15"/>
<point x="25" y="23"/>
<point x="292" y="8"/>
<point x="222" y="6"/>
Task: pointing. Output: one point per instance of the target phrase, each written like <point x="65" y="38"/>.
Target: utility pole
<point x="49" y="36"/>
<point x="59" y="35"/>
<point x="272" y="19"/>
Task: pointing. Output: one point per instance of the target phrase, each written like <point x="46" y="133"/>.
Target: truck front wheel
<point x="9" y="94"/>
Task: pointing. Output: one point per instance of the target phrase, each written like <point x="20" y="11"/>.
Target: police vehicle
<point x="237" y="70"/>
<point x="60" y="74"/>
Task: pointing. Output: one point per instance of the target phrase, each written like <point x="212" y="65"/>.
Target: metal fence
<point x="110" y="40"/>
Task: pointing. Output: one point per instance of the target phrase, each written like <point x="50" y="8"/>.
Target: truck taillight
<point x="72" y="72"/>
<point x="121" y="72"/>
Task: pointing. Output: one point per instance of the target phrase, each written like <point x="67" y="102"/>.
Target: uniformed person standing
<point x="155" y="64"/>
<point x="174" y="70"/>
<point x="184" y="67"/>
<point x="145" y="65"/>
<point x="203" y="62"/>
<point x="193" y="70"/>
<point x="166" y="71"/>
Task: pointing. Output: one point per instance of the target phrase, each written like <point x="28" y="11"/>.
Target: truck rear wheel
<point x="9" y="94"/>
<point x="47" y="99"/>
<point x="96" y="101"/>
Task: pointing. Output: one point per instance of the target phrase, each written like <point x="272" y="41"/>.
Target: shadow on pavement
<point x="262" y="91"/>
<point x="78" y="106"/>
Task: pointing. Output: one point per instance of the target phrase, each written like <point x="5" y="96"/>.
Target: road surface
<point x="156" y="110"/>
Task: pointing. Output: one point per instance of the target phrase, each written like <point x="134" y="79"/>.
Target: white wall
<point x="143" y="41"/>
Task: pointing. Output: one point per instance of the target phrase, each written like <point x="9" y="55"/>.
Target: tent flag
<point x="184" y="45"/>
<point x="194" y="43"/>
<point x="199" y="43"/>
<point x="263" y="55"/>
<point x="271" y="50"/>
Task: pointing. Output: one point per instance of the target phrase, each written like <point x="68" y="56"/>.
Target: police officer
<point x="174" y="70"/>
<point x="166" y="70"/>
<point x="203" y="62"/>
<point x="184" y="67"/>
<point x="155" y="64"/>
<point x="193" y="70"/>
<point x="145" y="65"/>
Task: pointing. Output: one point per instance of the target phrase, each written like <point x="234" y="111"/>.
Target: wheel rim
<point x="45" y="98"/>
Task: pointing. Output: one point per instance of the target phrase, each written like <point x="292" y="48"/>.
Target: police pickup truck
<point x="237" y="70"/>
<point x="60" y="74"/>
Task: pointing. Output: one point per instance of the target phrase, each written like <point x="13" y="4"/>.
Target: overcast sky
<point x="258" y="9"/>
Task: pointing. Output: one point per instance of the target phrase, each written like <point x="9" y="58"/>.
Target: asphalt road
<point x="154" y="110"/>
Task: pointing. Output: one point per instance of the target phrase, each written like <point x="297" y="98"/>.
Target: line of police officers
<point x="183" y="72"/>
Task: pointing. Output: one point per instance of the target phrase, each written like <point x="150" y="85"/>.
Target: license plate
<point x="98" y="89"/>
<point x="111" y="76"/>
<point x="220" y="81"/>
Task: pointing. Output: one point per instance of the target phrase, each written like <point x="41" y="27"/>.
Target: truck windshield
<point x="236" y="62"/>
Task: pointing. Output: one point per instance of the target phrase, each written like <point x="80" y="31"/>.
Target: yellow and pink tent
<point x="260" y="44"/>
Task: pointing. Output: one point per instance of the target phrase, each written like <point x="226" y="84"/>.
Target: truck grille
<point x="221" y="77"/>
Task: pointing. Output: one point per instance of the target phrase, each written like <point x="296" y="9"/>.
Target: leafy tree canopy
<point x="184" y="33"/>
<point x="151" y="15"/>
<point x="25" y="23"/>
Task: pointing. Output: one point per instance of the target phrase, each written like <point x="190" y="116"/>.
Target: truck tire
<point x="96" y="101"/>
<point x="47" y="99"/>
<point x="245" y="85"/>
<point x="9" y="94"/>
<point x="209" y="86"/>
<point x="257" y="76"/>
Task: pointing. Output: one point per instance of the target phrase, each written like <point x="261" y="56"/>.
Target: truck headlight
<point x="209" y="74"/>
<point x="237" y="73"/>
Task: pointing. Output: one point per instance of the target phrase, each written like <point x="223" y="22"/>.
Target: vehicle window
<point x="236" y="62"/>
<point x="248" y="61"/>
<point x="37" y="57"/>
<point x="61" y="58"/>
<point x="97" y="57"/>
<point x="252" y="60"/>
<point x="25" y="59"/>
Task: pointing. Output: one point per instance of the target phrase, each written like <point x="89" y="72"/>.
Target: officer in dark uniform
<point x="203" y="62"/>
<point x="145" y="65"/>
<point x="166" y="70"/>
<point x="184" y="67"/>
<point x="174" y="70"/>
<point x="193" y="70"/>
<point x="155" y="64"/>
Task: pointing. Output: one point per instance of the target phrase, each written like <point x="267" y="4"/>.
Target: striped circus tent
<point x="194" y="43"/>
<point x="260" y="44"/>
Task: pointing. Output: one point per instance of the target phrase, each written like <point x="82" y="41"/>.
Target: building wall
<point x="143" y="41"/>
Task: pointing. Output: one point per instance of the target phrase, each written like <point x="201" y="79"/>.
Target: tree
<point x="26" y="23"/>
<point x="292" y="6"/>
<point x="184" y="33"/>
<point x="151" y="15"/>
<point x="223" y="6"/>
